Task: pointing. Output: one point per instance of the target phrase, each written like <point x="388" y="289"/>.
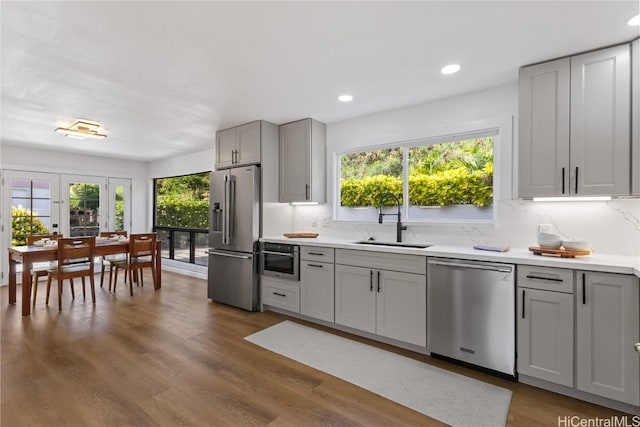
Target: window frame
<point x="172" y="230"/>
<point x="495" y="129"/>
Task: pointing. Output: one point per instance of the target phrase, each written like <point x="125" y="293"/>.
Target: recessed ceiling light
<point x="634" y="21"/>
<point x="345" y="98"/>
<point x="450" y="69"/>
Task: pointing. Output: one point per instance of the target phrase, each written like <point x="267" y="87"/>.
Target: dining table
<point x="27" y="255"/>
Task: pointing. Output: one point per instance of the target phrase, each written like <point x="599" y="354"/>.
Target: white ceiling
<point x="163" y="76"/>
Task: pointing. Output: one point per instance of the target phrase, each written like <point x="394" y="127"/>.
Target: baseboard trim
<point x="581" y="395"/>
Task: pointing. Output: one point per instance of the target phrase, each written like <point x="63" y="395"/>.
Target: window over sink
<point x="447" y="179"/>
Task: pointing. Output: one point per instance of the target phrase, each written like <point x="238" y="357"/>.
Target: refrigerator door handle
<point x="229" y="202"/>
<point x="227" y="254"/>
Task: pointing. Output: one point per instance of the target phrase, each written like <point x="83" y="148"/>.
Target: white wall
<point x="38" y="160"/>
<point x="611" y="227"/>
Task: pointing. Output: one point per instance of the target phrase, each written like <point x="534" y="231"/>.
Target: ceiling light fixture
<point x="450" y="69"/>
<point x="81" y="129"/>
<point x="634" y="21"/>
<point x="345" y="98"/>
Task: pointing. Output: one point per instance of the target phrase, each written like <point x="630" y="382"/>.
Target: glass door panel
<point x="33" y="198"/>
<point x="86" y="203"/>
<point x="119" y="204"/>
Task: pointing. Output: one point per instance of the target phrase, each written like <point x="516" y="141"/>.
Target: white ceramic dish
<point x="549" y="241"/>
<point x="576" y="245"/>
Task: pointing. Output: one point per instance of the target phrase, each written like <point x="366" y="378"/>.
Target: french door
<point x="72" y="205"/>
<point x="83" y="205"/>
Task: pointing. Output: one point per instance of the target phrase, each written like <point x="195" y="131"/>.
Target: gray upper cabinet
<point x="544" y="129"/>
<point x="238" y="146"/>
<point x="635" y="117"/>
<point x="600" y="122"/>
<point x="574" y="120"/>
<point x="302" y="161"/>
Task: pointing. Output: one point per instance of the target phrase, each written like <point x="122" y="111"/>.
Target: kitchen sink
<point x="397" y="244"/>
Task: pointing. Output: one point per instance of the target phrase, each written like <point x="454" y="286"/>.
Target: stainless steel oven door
<point x="285" y="265"/>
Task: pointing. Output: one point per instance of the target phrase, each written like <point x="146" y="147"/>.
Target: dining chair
<point x="142" y="254"/>
<point x="75" y="259"/>
<point x="39" y="269"/>
<point x="111" y="260"/>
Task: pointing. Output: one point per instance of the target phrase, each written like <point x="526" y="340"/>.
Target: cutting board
<point x="301" y="235"/>
<point x="562" y="253"/>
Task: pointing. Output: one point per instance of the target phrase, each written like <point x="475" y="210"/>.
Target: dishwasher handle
<point x="480" y="266"/>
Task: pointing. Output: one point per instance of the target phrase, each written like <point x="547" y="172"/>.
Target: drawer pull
<point x="279" y="294"/>
<point x="315" y="253"/>
<point x="523" y="303"/>
<point x="315" y="265"/>
<point x="551" y="279"/>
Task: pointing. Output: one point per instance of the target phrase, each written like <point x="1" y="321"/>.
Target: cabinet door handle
<point x="370" y="280"/>
<point x="562" y="180"/>
<point x="637" y="347"/>
<point x="233" y="157"/>
<point x="279" y="294"/>
<point x="306" y="191"/>
<point x="584" y="290"/>
<point x="576" y="179"/>
<point x="552" y="279"/>
<point x="378" y="281"/>
<point x="315" y="253"/>
<point x="523" y="303"/>
<point x="315" y="265"/>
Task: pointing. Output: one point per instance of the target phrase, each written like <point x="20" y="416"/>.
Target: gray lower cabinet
<point x="317" y="290"/>
<point x="387" y="303"/>
<point x="284" y="294"/>
<point x="607" y="328"/>
<point x="545" y="335"/>
<point x="545" y="323"/>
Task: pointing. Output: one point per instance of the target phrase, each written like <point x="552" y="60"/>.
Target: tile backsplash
<point x="611" y="227"/>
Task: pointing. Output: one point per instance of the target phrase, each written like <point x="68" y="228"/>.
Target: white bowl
<point x="575" y="245"/>
<point x="549" y="241"/>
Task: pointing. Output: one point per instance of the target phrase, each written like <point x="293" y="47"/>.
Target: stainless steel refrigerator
<point x="234" y="230"/>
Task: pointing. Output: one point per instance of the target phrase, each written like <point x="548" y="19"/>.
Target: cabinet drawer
<point x="383" y="260"/>
<point x="281" y="294"/>
<point x="315" y="253"/>
<point x="545" y="278"/>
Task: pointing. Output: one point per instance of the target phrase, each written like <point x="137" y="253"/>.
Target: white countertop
<point x="594" y="262"/>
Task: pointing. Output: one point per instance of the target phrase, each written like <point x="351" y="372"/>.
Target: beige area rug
<point x="446" y="396"/>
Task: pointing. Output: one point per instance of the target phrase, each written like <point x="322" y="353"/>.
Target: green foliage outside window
<point x="23" y="224"/>
<point x="183" y="201"/>
<point x="452" y="173"/>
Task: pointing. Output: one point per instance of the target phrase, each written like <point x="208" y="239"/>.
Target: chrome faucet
<point x="399" y="226"/>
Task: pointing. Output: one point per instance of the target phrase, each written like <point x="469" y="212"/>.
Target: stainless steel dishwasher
<point x="471" y="313"/>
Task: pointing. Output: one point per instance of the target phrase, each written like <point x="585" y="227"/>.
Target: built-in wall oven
<point x="280" y="260"/>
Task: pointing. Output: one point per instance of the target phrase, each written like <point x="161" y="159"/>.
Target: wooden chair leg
<point x="84" y="294"/>
<point x="130" y="282"/>
<point x="73" y="292"/>
<point x="60" y="294"/>
<point x="153" y="276"/>
<point x="48" y="288"/>
<point x="102" y="274"/>
<point x="141" y="280"/>
<point x="115" y="277"/>
<point x="93" y="288"/>
<point x="34" y="285"/>
<point x="111" y="268"/>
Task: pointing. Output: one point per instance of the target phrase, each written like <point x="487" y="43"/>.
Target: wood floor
<point x="174" y="358"/>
